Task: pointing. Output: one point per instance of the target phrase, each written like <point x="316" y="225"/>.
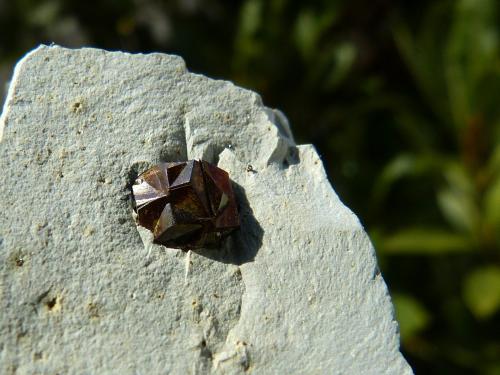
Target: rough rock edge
<point x="232" y="356"/>
<point x="12" y="89"/>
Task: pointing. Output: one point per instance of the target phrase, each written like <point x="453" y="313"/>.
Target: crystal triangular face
<point x="218" y="183"/>
<point x="184" y="177"/>
<point x="218" y="176"/>
<point x="173" y="172"/>
<point x="226" y="212"/>
<point x="180" y="235"/>
<point x="198" y="185"/>
<point x="170" y="226"/>
<point x="148" y="214"/>
<point x="156" y="178"/>
<point x="165" y="221"/>
<point x="224" y="200"/>
<point x="144" y="193"/>
<point x="228" y="218"/>
<point x="214" y="194"/>
<point x="188" y="205"/>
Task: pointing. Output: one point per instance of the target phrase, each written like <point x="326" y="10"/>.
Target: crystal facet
<point x="186" y="205"/>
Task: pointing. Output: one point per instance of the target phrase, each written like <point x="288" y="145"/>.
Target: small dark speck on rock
<point x="237" y="274"/>
<point x="76" y="107"/>
<point x="51" y="303"/>
<point x="37" y="356"/>
<point x="93" y="310"/>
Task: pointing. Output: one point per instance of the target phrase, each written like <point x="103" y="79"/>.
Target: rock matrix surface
<point x="83" y="290"/>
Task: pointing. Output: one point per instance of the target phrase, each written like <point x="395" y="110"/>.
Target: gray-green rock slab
<point x="84" y="291"/>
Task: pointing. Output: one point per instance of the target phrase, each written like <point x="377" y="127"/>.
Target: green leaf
<point x="251" y="17"/>
<point x="491" y="206"/>
<point x="457" y="199"/>
<point x="411" y="315"/>
<point x="470" y="54"/>
<point x="247" y="44"/>
<point x="422" y="53"/>
<point x="309" y="28"/>
<point x="406" y="165"/>
<point x="482" y="291"/>
<point x="423" y="241"/>
<point x="44" y="14"/>
<point x="493" y="369"/>
<point x="342" y="60"/>
<point x="418" y="131"/>
<point x="494" y="162"/>
<point x="458" y="209"/>
<point x="306" y="33"/>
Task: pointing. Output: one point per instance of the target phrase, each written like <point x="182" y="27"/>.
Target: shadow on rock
<point x="242" y="245"/>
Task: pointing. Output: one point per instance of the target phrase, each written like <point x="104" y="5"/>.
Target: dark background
<point x="402" y="100"/>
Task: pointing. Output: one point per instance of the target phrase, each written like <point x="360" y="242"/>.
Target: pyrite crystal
<point x="186" y="205"/>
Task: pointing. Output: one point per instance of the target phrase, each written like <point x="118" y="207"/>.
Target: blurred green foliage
<point x="400" y="98"/>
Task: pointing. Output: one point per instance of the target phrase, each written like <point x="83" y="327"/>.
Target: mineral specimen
<point x="186" y="205"/>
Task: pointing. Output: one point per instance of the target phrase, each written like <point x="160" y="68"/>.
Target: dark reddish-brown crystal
<point x="186" y="205"/>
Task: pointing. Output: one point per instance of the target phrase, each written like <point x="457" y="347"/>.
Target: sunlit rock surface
<point x="83" y="290"/>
